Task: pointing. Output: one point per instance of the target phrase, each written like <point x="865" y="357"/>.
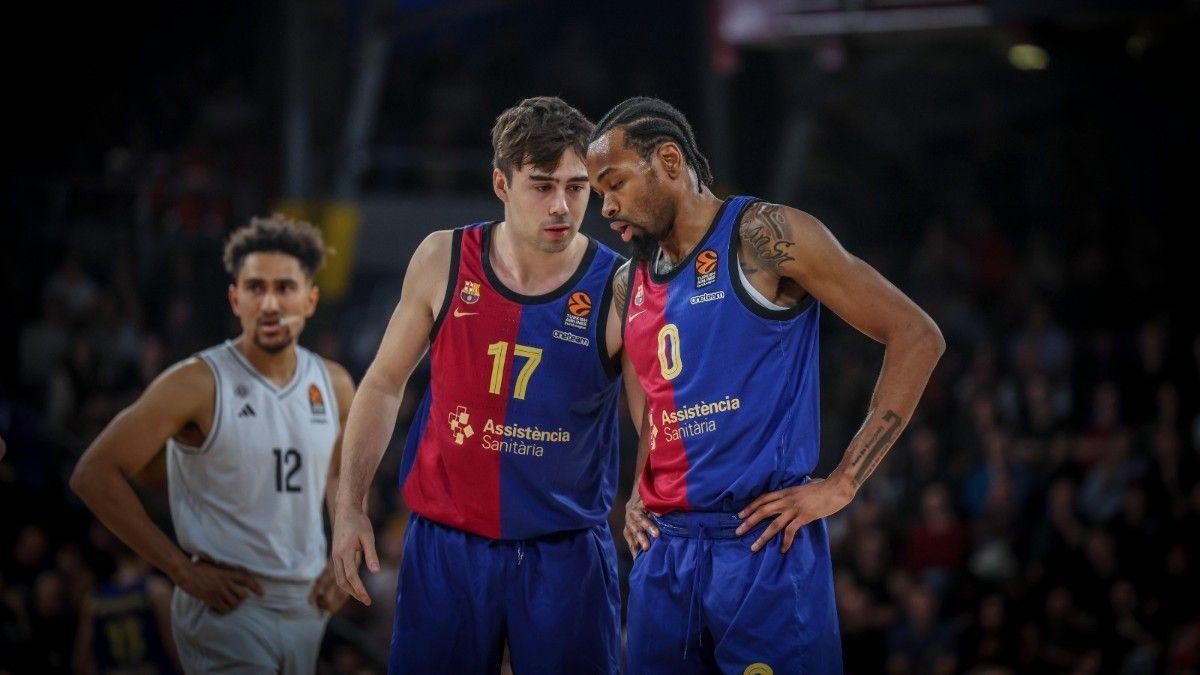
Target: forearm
<point x="908" y="362"/>
<point x="643" y="453"/>
<point x="109" y="495"/>
<point x="369" y="428"/>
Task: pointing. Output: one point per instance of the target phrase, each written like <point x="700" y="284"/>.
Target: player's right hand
<point x="219" y="586"/>
<point x="639" y="529"/>
<point x="353" y="539"/>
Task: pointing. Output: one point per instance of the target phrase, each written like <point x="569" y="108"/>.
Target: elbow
<point x="79" y="478"/>
<point x="83" y="478"/>
<point x="932" y="341"/>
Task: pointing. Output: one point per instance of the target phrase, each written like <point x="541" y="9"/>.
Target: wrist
<point x="841" y="481"/>
<point x="178" y="567"/>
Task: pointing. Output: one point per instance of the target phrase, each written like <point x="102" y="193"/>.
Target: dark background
<point x="1023" y="170"/>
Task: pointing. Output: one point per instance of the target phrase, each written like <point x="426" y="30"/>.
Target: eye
<point x="617" y="185"/>
<point x="576" y="188"/>
<point x="543" y="188"/>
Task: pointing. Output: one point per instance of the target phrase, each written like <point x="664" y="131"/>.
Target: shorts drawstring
<point x="696" y="600"/>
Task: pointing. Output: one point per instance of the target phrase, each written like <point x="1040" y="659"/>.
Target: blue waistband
<point x="704" y="525"/>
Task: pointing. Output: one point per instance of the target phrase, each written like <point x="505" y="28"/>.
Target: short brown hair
<point x="536" y="131"/>
<point x="277" y="234"/>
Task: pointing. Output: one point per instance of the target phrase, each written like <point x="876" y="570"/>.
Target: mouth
<point x="272" y="326"/>
<point x="557" y="231"/>
<point x="624" y="229"/>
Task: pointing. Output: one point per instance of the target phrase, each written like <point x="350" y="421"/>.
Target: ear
<point x="233" y="299"/>
<point x="671" y="158"/>
<point x="314" y="294"/>
<point x="500" y="185"/>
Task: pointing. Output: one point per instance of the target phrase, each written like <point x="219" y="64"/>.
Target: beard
<point x="643" y="247"/>
<point x="281" y="343"/>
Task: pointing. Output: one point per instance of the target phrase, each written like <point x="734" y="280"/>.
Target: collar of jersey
<point x="485" y="252"/>
<point x="301" y="365"/>
<point x="666" y="277"/>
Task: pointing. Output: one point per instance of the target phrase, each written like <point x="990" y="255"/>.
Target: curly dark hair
<point x="650" y="122"/>
<point x="536" y="131"/>
<point x="277" y="234"/>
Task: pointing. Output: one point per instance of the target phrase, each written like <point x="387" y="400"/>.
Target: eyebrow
<point x="552" y="179"/>
<point x="603" y="172"/>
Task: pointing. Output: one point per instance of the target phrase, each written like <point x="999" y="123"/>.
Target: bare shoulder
<point x="776" y="238"/>
<point x="190" y="380"/>
<point x="342" y="383"/>
<point x="433" y="251"/>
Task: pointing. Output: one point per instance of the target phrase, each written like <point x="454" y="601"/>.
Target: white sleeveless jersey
<point x="252" y="495"/>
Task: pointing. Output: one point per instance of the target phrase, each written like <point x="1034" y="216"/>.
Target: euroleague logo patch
<point x="316" y="402"/>
<point x="579" y="308"/>
<point x="469" y="292"/>
<point x="706" y="268"/>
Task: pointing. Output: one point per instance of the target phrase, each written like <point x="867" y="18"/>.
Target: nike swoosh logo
<point x="458" y="313"/>
<point x="634" y="316"/>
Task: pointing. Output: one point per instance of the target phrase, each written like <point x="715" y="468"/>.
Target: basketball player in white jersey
<point x="252" y="429"/>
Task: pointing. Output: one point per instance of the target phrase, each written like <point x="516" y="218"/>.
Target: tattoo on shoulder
<point x="877" y="445"/>
<point x="764" y="232"/>
<point x="621" y="289"/>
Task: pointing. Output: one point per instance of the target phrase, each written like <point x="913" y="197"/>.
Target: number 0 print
<point x="668" y="351"/>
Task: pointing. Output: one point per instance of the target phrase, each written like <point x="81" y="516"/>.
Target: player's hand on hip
<point x="639" y="529"/>
<point x="793" y="508"/>
<point x="221" y="587"/>
<point x="326" y="594"/>
<point x="353" y="540"/>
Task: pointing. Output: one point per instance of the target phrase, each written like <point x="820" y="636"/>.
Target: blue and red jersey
<point x="517" y="436"/>
<point x="732" y="386"/>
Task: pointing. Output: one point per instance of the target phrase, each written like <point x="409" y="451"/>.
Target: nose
<point x="609" y="208"/>
<point x="559" y="207"/>
<point x="270" y="302"/>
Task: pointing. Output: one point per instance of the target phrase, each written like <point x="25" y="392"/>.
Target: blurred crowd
<point x="1040" y="514"/>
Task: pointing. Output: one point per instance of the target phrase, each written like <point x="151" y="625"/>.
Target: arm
<point x="786" y="245"/>
<point x="102" y="480"/>
<point x="638" y="527"/>
<point x="373" y="415"/>
<point x="326" y="594"/>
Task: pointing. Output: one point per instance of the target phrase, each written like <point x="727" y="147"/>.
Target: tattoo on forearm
<point x="872" y="452"/>
<point x="763" y="232"/>
<point x="621" y="291"/>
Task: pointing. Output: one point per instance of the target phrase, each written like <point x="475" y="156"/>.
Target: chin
<point x="273" y="347"/>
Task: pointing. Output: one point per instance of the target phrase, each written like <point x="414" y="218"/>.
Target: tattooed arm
<point x="786" y="254"/>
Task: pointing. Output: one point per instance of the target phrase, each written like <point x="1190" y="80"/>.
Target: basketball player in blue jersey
<point x="252" y="429"/>
<point x="511" y="462"/>
<point x="720" y="309"/>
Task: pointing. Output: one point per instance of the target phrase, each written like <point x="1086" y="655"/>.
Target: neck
<point x="693" y="216"/>
<point x="277" y="367"/>
<point x="527" y="270"/>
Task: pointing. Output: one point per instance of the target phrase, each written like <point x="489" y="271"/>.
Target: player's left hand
<point x="794" y="507"/>
<point x="325" y="593"/>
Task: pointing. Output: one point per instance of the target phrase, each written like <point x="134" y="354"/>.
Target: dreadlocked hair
<point x="650" y="122"/>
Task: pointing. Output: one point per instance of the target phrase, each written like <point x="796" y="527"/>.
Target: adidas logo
<point x="246" y="411"/>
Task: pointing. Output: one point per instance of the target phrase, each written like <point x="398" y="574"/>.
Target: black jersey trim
<point x="739" y="289"/>
<point x="451" y="282"/>
<point x="611" y="365"/>
<point x="485" y="252"/>
<point x="687" y="259"/>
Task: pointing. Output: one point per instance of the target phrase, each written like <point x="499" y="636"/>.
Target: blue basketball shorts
<point x="554" y="600"/>
<point x="700" y="601"/>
